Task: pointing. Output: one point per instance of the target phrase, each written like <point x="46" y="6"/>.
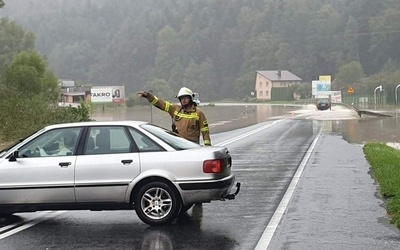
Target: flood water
<point x="225" y="117"/>
<point x="369" y="129"/>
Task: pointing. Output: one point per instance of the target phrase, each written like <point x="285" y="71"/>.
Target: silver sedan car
<point x="113" y="166"/>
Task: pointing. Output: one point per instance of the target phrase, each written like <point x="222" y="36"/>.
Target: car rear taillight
<point x="213" y="166"/>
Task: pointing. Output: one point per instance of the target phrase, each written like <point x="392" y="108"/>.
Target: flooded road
<point x="369" y="129"/>
<point x="226" y="117"/>
<point x="265" y="161"/>
<point x="221" y="118"/>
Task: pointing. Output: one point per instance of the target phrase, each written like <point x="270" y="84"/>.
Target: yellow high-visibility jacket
<point x="189" y="123"/>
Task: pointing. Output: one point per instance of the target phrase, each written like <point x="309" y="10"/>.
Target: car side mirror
<point x="14" y="156"/>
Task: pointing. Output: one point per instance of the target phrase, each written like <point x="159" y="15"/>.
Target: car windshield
<point x="323" y="101"/>
<point x="4" y="151"/>
<point x="172" y="139"/>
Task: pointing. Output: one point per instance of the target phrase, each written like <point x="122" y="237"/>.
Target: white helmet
<point x="185" y="92"/>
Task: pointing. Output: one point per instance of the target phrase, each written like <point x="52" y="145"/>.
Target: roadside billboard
<point x="322" y="86"/>
<point x="318" y="86"/>
<point x="325" y="79"/>
<point x="115" y="94"/>
<point x="101" y="94"/>
<point x="336" y="97"/>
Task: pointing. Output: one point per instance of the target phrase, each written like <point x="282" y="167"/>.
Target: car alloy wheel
<point x="157" y="204"/>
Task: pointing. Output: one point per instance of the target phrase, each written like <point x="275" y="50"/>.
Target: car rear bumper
<point x="206" y="191"/>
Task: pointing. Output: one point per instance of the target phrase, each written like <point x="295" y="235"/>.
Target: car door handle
<point x="126" y="162"/>
<point x="64" y="164"/>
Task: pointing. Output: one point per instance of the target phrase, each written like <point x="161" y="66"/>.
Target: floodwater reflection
<point x="369" y="129"/>
<point x="228" y="117"/>
<point x="220" y="118"/>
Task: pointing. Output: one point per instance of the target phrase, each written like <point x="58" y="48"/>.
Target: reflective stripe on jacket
<point x="189" y="123"/>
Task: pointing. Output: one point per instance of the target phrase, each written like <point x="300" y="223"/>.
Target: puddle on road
<point x="369" y="129"/>
<point x="227" y="117"/>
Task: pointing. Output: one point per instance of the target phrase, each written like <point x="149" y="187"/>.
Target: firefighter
<point x="187" y="119"/>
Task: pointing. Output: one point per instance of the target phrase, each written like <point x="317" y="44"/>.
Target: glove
<point x="143" y="94"/>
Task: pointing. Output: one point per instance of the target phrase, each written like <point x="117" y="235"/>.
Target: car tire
<point x="157" y="203"/>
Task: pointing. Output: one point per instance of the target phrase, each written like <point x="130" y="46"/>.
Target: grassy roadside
<point x="385" y="163"/>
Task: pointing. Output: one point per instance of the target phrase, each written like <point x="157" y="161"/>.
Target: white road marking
<point x="20" y="226"/>
<point x="248" y="133"/>
<point x="269" y="231"/>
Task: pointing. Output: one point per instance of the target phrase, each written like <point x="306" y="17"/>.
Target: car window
<point x="323" y="101"/>
<point x="107" y="140"/>
<point x="4" y="151"/>
<point x="144" y="143"/>
<point x="174" y="140"/>
<point x="56" y="142"/>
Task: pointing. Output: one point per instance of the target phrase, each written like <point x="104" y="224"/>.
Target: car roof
<point x="96" y="123"/>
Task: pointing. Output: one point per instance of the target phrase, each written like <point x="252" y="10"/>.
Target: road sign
<point x="350" y="90"/>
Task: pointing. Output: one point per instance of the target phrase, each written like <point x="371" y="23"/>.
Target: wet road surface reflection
<point x="368" y="129"/>
<point x="181" y="233"/>
<point x="229" y="116"/>
<point x="264" y="163"/>
<point x="220" y="118"/>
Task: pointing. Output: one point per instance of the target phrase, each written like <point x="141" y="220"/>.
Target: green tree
<point x="28" y="75"/>
<point x="351" y="42"/>
<point x="348" y="74"/>
<point x="259" y="53"/>
<point x="199" y="78"/>
<point x="304" y="90"/>
<point x="13" y="39"/>
<point x="28" y="96"/>
<point x="22" y="116"/>
<point x="2" y="3"/>
<point x="391" y="66"/>
<point x="245" y="85"/>
<point x="160" y="87"/>
<point x="133" y="42"/>
<point x="323" y="45"/>
<point x="168" y="52"/>
<point x="386" y="36"/>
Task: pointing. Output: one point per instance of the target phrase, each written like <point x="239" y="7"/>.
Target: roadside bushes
<point x="384" y="161"/>
<point x="29" y="94"/>
<point x="20" y="116"/>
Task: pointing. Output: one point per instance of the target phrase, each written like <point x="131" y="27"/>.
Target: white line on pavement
<point x="20" y="226"/>
<point x="269" y="231"/>
<point x="248" y="133"/>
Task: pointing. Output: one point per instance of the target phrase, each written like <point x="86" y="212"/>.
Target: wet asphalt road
<point x="265" y="158"/>
<point x="337" y="205"/>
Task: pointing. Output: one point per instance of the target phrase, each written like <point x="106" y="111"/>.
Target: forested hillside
<point x="211" y="46"/>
